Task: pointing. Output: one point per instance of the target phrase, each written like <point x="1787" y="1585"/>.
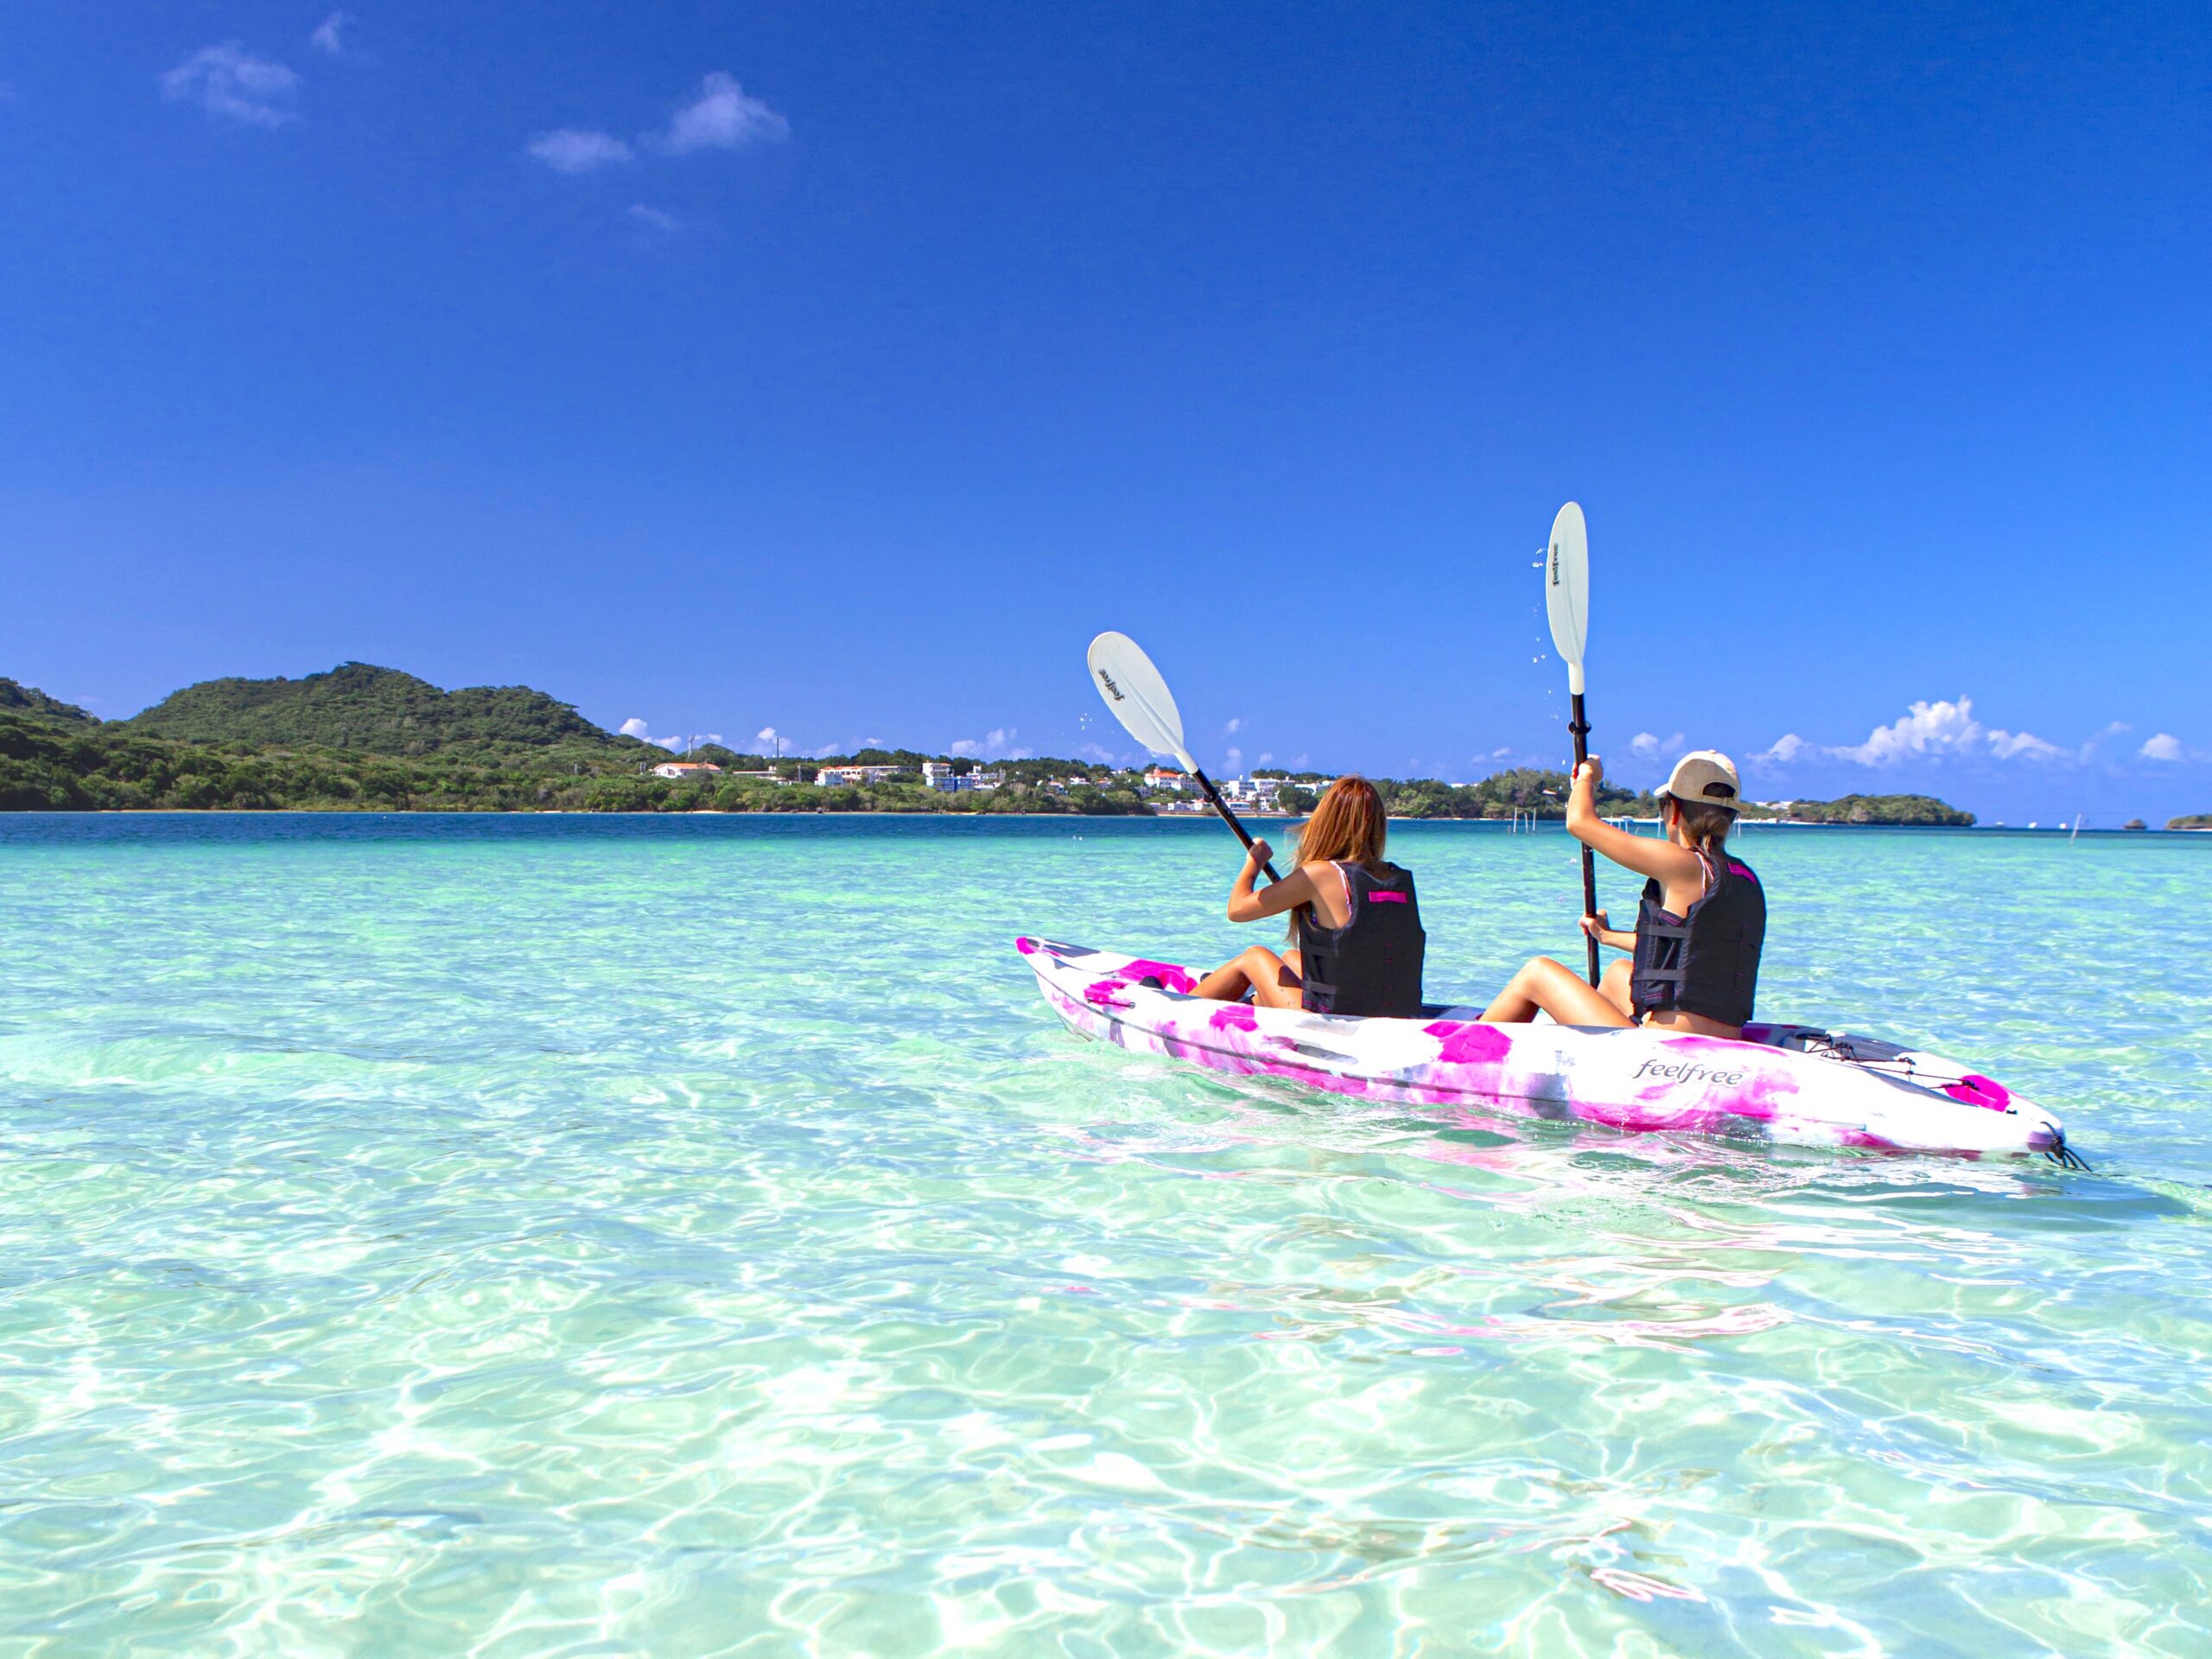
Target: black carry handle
<point x="1229" y="818"/>
<point x="1579" y="725"/>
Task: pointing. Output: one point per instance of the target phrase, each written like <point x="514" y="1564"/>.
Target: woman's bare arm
<point x="1246" y="905"/>
<point x="1600" y="927"/>
<point x="1671" y="865"/>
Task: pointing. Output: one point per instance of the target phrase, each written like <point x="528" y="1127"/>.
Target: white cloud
<point x="1264" y="757"/>
<point x="635" y="727"/>
<point x="1233" y="726"/>
<point x="2115" y="730"/>
<point x="765" y="739"/>
<point x="228" y="81"/>
<point x="576" y="149"/>
<point x="666" y="224"/>
<point x="1645" y="745"/>
<point x="722" y="116"/>
<point x="1097" y="752"/>
<point x="330" y="34"/>
<point x="1236" y="759"/>
<point x="2163" y="746"/>
<point x="2011" y="746"/>
<point x="1000" y="744"/>
<point x="1940" y="729"/>
<point x="1932" y="732"/>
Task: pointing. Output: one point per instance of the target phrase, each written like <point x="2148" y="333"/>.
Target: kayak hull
<point x="1789" y="1085"/>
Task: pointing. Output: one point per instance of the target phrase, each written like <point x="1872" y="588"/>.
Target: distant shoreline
<point x="362" y="738"/>
<point x="1503" y="825"/>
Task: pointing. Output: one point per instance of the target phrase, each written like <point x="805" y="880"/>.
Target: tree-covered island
<point x="367" y="739"/>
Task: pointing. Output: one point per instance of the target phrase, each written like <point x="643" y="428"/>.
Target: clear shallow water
<point x="687" y="1235"/>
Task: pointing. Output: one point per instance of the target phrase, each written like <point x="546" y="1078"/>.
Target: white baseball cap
<point x="1706" y="777"/>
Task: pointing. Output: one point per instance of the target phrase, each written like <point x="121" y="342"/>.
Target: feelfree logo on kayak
<point x="1690" y="1071"/>
<point x="1112" y="690"/>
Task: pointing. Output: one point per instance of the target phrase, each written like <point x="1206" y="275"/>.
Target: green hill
<point x="362" y="737"/>
<point x="369" y="710"/>
<point x="1882" y="810"/>
<point x="22" y="699"/>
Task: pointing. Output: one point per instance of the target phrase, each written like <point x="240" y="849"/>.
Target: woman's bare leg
<point x="1284" y="987"/>
<point x="1273" y="981"/>
<point x="1612" y="985"/>
<point x="1559" y="991"/>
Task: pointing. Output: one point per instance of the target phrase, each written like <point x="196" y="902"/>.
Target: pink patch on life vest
<point x="1235" y="1016"/>
<point x="1469" y="1042"/>
<point x="1386" y="898"/>
<point x="1974" y="1090"/>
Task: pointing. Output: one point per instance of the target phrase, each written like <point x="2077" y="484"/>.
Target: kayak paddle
<point x="1146" y="708"/>
<point x="1566" y="602"/>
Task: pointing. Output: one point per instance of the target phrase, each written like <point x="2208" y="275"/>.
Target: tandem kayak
<point x="1792" y="1084"/>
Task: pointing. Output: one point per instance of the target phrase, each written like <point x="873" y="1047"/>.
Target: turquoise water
<point x="524" y="1236"/>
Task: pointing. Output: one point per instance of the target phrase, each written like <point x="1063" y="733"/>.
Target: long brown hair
<point x="1348" y="826"/>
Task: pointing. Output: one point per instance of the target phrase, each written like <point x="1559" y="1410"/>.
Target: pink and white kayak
<point x="1787" y="1084"/>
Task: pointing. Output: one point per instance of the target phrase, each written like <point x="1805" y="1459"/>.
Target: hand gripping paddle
<point x="1146" y="708"/>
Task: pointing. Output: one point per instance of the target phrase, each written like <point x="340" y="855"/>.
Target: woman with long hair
<point x="1699" y="929"/>
<point x="1354" y="915"/>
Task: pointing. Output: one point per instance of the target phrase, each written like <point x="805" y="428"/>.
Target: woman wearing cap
<point x="1699" y="929"/>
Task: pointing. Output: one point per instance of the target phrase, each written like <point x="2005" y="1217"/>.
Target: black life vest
<point x="1706" y="962"/>
<point x="1371" y="966"/>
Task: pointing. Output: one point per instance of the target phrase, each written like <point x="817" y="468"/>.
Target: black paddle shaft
<point x="1229" y="818"/>
<point x="1579" y="725"/>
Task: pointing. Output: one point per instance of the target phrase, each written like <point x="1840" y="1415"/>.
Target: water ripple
<point x="584" y="1237"/>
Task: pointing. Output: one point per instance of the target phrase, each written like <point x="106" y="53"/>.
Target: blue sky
<point x="843" y="369"/>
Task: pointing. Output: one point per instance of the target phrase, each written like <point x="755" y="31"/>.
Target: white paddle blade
<point x="1567" y="590"/>
<point x="1136" y="693"/>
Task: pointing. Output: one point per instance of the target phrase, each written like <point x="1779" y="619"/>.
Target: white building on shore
<point x="847" y="777"/>
<point x="939" y="774"/>
<point x="683" y="769"/>
<point x="1258" y="793"/>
